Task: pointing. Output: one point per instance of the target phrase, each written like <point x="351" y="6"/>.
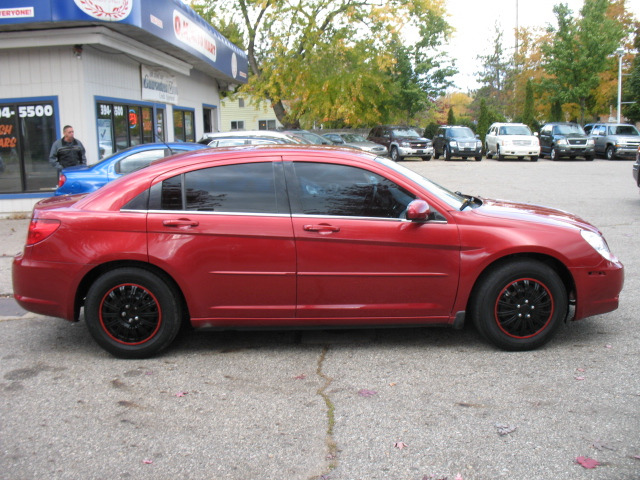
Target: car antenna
<point x="158" y="137"/>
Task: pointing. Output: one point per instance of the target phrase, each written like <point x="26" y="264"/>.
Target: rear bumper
<point x="45" y="288"/>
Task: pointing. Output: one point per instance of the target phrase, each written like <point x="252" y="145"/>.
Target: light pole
<point x="619" y="52"/>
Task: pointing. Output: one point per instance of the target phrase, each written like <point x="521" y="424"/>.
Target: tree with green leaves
<point x="529" y="113"/>
<point x="495" y="77"/>
<point x="580" y="50"/>
<point x="451" y="118"/>
<point x="340" y="61"/>
<point x="632" y="85"/>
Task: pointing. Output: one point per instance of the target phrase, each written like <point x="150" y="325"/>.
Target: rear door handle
<point x="323" y="229"/>
<point x="180" y="223"/>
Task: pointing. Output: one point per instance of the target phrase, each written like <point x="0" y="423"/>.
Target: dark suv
<point x="456" y="141"/>
<point x="401" y="141"/>
<point x="564" y="139"/>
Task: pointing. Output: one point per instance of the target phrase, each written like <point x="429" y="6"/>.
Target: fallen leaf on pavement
<point x="400" y="445"/>
<point x="146" y="461"/>
<point x="587" y="462"/>
<point x="367" y="393"/>
<point x="302" y="376"/>
<point x="505" y="429"/>
<point x="181" y="394"/>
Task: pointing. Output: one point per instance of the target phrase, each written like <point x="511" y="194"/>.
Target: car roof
<point x="246" y="133"/>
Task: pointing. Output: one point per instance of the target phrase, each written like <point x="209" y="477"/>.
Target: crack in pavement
<point x="332" y="448"/>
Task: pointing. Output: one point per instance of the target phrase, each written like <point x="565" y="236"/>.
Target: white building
<point x="242" y="112"/>
<point x="121" y="72"/>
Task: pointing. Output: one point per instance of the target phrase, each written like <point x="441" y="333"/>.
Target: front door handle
<point x="323" y="228"/>
<point x="180" y="223"/>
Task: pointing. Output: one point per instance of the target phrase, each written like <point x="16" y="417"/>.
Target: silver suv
<point x="615" y="140"/>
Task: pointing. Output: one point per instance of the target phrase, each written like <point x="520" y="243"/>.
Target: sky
<point x="474" y="22"/>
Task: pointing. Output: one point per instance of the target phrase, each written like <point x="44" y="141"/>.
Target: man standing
<point x="68" y="151"/>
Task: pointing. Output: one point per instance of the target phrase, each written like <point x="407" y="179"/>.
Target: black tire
<point x="486" y="150"/>
<point x="436" y="155"/>
<point x="427" y="158"/>
<point x="553" y="155"/>
<point x="132" y="313"/>
<point x="478" y="158"/>
<point x="447" y="153"/>
<point x="519" y="305"/>
<point x="534" y="158"/>
<point x="395" y="155"/>
<point x="589" y="158"/>
<point x="610" y="153"/>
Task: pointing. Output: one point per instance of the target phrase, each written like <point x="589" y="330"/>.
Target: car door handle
<point x="180" y="223"/>
<point x="323" y="229"/>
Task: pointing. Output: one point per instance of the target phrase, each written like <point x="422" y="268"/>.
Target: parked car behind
<point x="355" y="140"/>
<point x="297" y="236"/>
<point x="234" y="139"/>
<point x="636" y="168"/>
<point x="207" y="137"/>
<point x="456" y="141"/>
<point x="308" y="137"/>
<point x="511" y="140"/>
<point x="615" y="140"/>
<point x="402" y="141"/>
<point x="84" y="179"/>
<point x="565" y="139"/>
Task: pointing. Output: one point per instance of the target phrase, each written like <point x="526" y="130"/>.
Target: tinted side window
<point x="139" y="160"/>
<point x="329" y="189"/>
<point x="241" y="188"/>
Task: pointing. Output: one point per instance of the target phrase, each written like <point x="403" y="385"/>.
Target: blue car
<point x="85" y="179"/>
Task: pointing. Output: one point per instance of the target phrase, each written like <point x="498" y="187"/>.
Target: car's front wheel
<point x="447" y="153"/>
<point x="132" y="313"/>
<point x="610" y="153"/>
<point x="553" y="155"/>
<point x="534" y="158"/>
<point x="519" y="305"/>
<point x="395" y="155"/>
<point x="500" y="156"/>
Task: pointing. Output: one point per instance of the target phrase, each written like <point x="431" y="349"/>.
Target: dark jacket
<point x="67" y="154"/>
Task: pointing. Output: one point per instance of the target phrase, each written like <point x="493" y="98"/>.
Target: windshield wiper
<point x="468" y="200"/>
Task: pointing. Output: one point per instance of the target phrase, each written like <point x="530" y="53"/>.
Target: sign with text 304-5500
<point x="158" y="85"/>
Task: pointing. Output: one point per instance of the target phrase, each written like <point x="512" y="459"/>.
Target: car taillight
<point x="61" y="180"/>
<point x="39" y="229"/>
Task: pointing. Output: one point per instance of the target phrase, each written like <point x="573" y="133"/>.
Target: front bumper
<point x="597" y="288"/>
<point x="575" y="150"/>
<point x="415" y="152"/>
<point x="466" y="152"/>
<point x="626" y="151"/>
<point x="519" y="150"/>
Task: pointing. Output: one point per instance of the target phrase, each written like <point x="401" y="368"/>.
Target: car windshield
<point x="405" y="132"/>
<point x="452" y="199"/>
<point x="462" y="132"/>
<point x="353" y="137"/>
<point x="566" y="129"/>
<point x="623" y="130"/>
<point x="514" y="130"/>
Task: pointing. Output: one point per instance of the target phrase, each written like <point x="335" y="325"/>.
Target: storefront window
<point x="27" y="131"/>
<point x="183" y="125"/>
<point x="121" y="126"/>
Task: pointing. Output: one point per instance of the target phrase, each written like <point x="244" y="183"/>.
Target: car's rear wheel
<point x="132" y="313"/>
<point x="519" y="305"/>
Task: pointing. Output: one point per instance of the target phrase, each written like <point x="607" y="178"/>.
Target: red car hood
<point x="532" y="213"/>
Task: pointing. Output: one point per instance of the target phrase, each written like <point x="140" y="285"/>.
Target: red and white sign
<point x="20" y="12"/>
<point x="195" y="37"/>
<point x="107" y="10"/>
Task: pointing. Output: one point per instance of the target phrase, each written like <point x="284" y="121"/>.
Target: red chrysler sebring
<point x="295" y="236"/>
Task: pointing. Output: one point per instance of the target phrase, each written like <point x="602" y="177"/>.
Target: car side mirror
<point x="418" y="210"/>
<point x="535" y="134"/>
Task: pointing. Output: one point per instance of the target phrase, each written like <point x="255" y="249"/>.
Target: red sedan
<point x="295" y="236"/>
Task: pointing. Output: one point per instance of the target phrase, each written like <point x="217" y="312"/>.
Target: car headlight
<point x="478" y="144"/>
<point x="599" y="244"/>
<point x="453" y="143"/>
<point x="562" y="141"/>
<point x="506" y="142"/>
<point x="590" y="141"/>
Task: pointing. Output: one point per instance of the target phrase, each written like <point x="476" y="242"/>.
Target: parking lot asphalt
<point x="410" y="404"/>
